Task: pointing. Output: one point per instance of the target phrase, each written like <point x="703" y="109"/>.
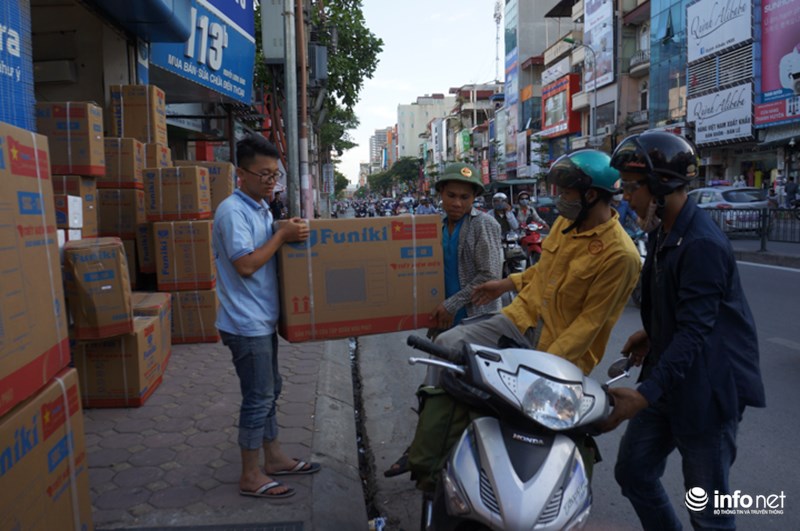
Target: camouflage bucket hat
<point x="459" y="171"/>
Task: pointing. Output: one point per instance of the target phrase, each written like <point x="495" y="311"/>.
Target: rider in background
<point x="526" y="212"/>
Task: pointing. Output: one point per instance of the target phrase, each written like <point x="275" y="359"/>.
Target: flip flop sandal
<point x="398" y="468"/>
<point x="261" y="492"/>
<point x="301" y="467"/>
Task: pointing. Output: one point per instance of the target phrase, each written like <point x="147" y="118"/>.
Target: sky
<point x="429" y="46"/>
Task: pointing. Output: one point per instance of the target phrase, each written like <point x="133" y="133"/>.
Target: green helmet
<point x="465" y="173"/>
<point x="584" y="169"/>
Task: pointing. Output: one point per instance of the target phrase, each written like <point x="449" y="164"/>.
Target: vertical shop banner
<point x="16" y="65"/>
<point x="511" y="105"/>
<point x="499" y="159"/>
<point x="722" y="116"/>
<point x="522" y="154"/>
<point x="220" y="52"/>
<point x="779" y="99"/>
<point x="714" y="26"/>
<point x="598" y="32"/>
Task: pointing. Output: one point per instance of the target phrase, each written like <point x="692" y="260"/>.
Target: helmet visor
<point x="630" y="156"/>
<point x="564" y="173"/>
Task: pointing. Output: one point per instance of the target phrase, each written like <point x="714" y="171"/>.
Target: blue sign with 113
<point x="220" y="52"/>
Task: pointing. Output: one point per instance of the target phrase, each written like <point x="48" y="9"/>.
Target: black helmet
<point x="668" y="160"/>
<point x="584" y="169"/>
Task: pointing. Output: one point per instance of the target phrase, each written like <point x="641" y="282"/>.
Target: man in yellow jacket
<point x="570" y="300"/>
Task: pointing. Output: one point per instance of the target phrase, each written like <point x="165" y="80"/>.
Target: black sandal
<point x="399" y="467"/>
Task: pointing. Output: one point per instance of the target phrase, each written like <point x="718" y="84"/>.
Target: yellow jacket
<point x="578" y="288"/>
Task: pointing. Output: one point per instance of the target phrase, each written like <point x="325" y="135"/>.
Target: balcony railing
<point x="580" y="100"/>
<point x="640" y="57"/>
<point x="638" y="117"/>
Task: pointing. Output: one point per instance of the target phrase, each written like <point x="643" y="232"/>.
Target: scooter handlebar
<point x="432" y="348"/>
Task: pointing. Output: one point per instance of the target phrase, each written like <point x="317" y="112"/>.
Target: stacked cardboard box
<point x="43" y="466"/>
<point x="86" y="189"/>
<point x="75" y="133"/>
<point x="222" y="179"/>
<point x="157" y="304"/>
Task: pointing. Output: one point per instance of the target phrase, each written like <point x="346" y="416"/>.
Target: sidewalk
<point x="777" y="253"/>
<point x="174" y="463"/>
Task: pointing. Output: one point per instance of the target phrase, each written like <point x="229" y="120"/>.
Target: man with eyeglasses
<point x="245" y="245"/>
<point x="698" y="348"/>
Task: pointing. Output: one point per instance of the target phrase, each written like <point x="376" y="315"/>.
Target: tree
<point x="381" y="182"/>
<point x="406" y="171"/>
<point x="352" y="57"/>
<point x="340" y="183"/>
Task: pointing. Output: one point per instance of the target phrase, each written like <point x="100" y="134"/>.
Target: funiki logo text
<point x="697" y="500"/>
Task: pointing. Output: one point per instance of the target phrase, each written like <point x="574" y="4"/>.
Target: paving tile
<point x="141" y="509"/>
<point x="138" y="476"/>
<point x="183" y="476"/>
<point x="164" y="440"/>
<point x="210" y="438"/>
<point x="152" y="457"/>
<point x="294" y="421"/>
<point x="107" y="516"/>
<point x="197" y="508"/>
<point x="294" y="435"/>
<point x="100" y="476"/>
<point x="172" y="425"/>
<point x="133" y="425"/>
<point x="122" y="498"/>
<point x="297" y="408"/>
<point x="157" y="486"/>
<point x="198" y="456"/>
<point x="177" y="497"/>
<point x="228" y="472"/>
<point x="212" y="423"/>
<point x="106" y="457"/>
<point x="121" y="440"/>
<point x="96" y="426"/>
<point x="148" y="411"/>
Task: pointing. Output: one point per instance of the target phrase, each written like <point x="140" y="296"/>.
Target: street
<point x="766" y="438"/>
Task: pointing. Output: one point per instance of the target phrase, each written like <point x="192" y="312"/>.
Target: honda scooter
<point x="518" y="467"/>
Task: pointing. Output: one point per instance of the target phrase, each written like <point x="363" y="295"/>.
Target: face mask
<point x="618" y="198"/>
<point x="524" y="202"/>
<point x="651" y="221"/>
<point x="569" y="209"/>
<point x="500" y="206"/>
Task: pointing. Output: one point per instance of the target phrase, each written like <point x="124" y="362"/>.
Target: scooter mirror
<point x="619" y="367"/>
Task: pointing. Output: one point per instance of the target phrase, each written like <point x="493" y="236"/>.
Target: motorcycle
<point x="640" y="240"/>
<point x="532" y="243"/>
<point x="516" y="467"/>
<point x="514" y="260"/>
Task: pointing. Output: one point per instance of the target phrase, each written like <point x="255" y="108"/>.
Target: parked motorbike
<point x="531" y="243"/>
<point x="516" y="467"/>
<point x="640" y="240"/>
<point x="514" y="260"/>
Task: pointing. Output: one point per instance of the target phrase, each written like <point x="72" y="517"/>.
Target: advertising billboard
<point x="714" y="26"/>
<point x="522" y="154"/>
<point x="511" y="105"/>
<point x="723" y="116"/>
<point x="598" y="32"/>
<point x="16" y="65"/>
<point x="220" y="52"/>
<point x="558" y="118"/>
<point x="778" y="101"/>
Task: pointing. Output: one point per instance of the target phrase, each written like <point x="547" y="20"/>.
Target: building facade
<point x="412" y="121"/>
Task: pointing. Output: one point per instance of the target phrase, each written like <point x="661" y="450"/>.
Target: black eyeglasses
<point x="629" y="187"/>
<point x="267" y="176"/>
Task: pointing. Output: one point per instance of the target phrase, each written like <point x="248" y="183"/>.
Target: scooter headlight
<point x="552" y="404"/>
<point x="456" y="501"/>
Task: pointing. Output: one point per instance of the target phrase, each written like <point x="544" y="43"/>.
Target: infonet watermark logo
<point x="697" y="499"/>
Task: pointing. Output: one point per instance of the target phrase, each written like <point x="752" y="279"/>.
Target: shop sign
<point x="220" y="52"/>
<point x="723" y="116"/>
<point x="779" y="99"/>
<point x="598" y="33"/>
<point x="522" y="154"/>
<point x="558" y="118"/>
<point x="556" y="71"/>
<point x="16" y="65"/>
<point x="715" y="25"/>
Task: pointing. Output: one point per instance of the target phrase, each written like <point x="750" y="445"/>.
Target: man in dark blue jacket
<point x="698" y="348"/>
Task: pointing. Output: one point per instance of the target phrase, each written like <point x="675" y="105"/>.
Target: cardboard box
<point x="121" y="371"/>
<point x="130" y="258"/>
<point x="140" y="112"/>
<point x="157" y="156"/>
<point x="184" y="259"/>
<point x="69" y="211"/>
<point x="221" y="175"/>
<point x="75" y="132"/>
<point x="146" y="248"/>
<point x="194" y="316"/>
<point x="121" y="212"/>
<point x="98" y="288"/>
<point x="361" y="276"/>
<point x="157" y="304"/>
<point x="34" y="345"/>
<point x="124" y="164"/>
<point x="86" y="189"/>
<point x="44" y="464"/>
<point x="65" y="236"/>
<point x="177" y="193"/>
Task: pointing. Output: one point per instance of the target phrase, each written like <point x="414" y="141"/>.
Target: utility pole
<point x="306" y="191"/>
<point x="498" y="17"/>
<point x="290" y="80"/>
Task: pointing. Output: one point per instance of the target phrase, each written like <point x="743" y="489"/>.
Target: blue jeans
<point x="706" y="461"/>
<point x="256" y="362"/>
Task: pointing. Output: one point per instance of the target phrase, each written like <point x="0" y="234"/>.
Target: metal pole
<point x="306" y="191"/>
<point x="290" y="80"/>
<point x="593" y="134"/>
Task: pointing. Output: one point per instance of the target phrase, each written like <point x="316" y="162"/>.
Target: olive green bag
<point x="442" y="420"/>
